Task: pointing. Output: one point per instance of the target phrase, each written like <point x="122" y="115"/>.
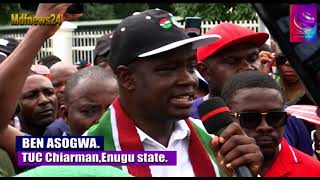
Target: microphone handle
<point x="243" y="171"/>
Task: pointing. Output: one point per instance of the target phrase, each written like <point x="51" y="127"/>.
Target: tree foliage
<point x="6" y="9"/>
<point x="105" y="11"/>
<point x="97" y="11"/>
<point x="215" y="11"/>
<point x="122" y="10"/>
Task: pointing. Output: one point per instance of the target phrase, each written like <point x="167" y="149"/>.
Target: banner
<point x="84" y="150"/>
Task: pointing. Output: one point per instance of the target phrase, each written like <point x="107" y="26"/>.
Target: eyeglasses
<point x="252" y="119"/>
<point x="281" y="59"/>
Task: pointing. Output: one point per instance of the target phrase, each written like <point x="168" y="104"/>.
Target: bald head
<point x="60" y="73"/>
<point x="63" y="67"/>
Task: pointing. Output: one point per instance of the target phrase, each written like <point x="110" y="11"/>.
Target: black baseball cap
<point x="8" y="44"/>
<point x="103" y="46"/>
<point x="148" y="33"/>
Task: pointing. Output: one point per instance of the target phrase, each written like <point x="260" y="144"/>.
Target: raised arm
<point x="14" y="70"/>
<point x="8" y="142"/>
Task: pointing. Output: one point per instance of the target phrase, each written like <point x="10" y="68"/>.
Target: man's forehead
<point x="238" y="52"/>
<point x="87" y="86"/>
<point x="246" y="97"/>
<point x="62" y="75"/>
<point x="62" y="69"/>
<point x="36" y="82"/>
<point x="60" y="78"/>
<point x="63" y="72"/>
<point x="241" y="48"/>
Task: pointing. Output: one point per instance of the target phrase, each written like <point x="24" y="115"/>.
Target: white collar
<point x="181" y="131"/>
<point x="279" y="147"/>
<point x="206" y="97"/>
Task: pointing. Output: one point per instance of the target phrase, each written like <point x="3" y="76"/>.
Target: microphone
<point x="215" y="116"/>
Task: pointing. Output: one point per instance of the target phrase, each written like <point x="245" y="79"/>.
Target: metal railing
<point x="86" y="33"/>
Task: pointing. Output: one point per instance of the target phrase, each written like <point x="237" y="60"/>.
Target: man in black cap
<point x="101" y="51"/>
<point x="158" y="58"/>
<point x="154" y="61"/>
<point x="7" y="45"/>
<point x="13" y="73"/>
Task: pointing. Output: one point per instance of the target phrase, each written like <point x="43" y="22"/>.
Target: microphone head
<point x="215" y="115"/>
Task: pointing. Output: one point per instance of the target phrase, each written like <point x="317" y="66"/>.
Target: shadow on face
<point x="286" y="72"/>
<point x="229" y="61"/>
<point x="162" y="86"/>
<point x="87" y="102"/>
<point x="60" y="73"/>
<point x="38" y="101"/>
<point x="260" y="100"/>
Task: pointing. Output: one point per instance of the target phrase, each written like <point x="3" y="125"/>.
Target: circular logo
<point x="166" y="23"/>
<point x="304" y="21"/>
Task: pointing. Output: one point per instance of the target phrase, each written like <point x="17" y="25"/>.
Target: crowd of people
<point x="143" y="92"/>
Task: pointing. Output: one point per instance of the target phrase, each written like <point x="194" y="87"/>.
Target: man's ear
<point x="125" y="77"/>
<point x="63" y="110"/>
<point x="204" y="70"/>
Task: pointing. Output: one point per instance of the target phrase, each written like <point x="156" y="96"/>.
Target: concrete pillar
<point x="62" y="42"/>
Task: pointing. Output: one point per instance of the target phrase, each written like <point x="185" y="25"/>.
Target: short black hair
<point x="94" y="73"/>
<point x="247" y="79"/>
<point x="49" y="60"/>
<point x="265" y="47"/>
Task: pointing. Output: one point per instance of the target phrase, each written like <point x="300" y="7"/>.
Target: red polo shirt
<point x="293" y="163"/>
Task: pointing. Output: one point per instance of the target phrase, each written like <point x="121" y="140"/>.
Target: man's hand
<point x="233" y="148"/>
<point x="46" y="9"/>
<point x="266" y="59"/>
